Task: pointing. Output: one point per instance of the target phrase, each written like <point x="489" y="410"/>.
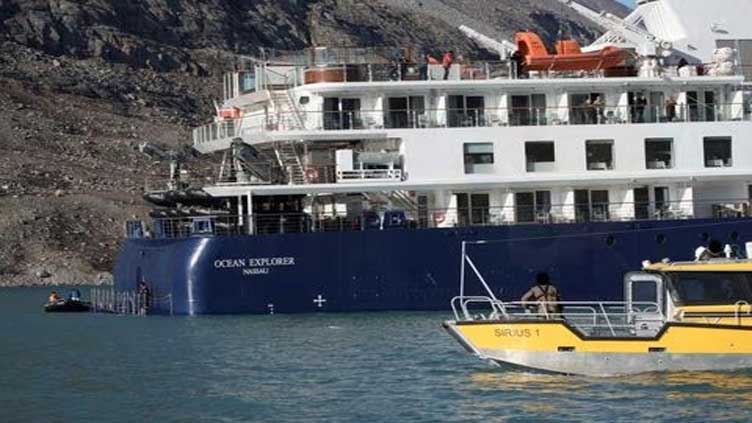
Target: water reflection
<point x="697" y="396"/>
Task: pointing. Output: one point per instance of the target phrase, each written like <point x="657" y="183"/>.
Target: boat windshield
<point x="710" y="288"/>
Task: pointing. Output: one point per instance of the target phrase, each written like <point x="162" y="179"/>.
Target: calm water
<point x="371" y="367"/>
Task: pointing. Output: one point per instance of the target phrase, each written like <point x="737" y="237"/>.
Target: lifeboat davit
<point x="568" y="55"/>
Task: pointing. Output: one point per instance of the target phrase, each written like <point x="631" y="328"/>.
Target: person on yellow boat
<point x="545" y="294"/>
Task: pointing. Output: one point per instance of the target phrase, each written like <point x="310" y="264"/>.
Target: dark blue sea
<point x="367" y="367"/>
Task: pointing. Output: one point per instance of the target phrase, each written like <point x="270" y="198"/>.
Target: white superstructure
<point x="489" y="146"/>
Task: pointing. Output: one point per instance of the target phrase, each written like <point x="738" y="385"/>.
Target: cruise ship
<point x="350" y="177"/>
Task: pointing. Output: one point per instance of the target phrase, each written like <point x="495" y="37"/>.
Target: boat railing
<point x="406" y="64"/>
<point x="598" y="318"/>
<point x="467" y="117"/>
<point x="739" y="311"/>
<point x="195" y="222"/>
<point x="108" y="300"/>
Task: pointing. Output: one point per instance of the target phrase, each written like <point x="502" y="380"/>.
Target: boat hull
<point x="554" y="346"/>
<point x="68" y="306"/>
<point x="400" y="269"/>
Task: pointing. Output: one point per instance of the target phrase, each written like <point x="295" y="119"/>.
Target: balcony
<point x="361" y="122"/>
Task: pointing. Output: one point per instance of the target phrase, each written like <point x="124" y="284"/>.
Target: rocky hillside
<point x="85" y="83"/>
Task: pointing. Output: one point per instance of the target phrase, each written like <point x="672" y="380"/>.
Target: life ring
<point x="312" y="174"/>
<point x="439" y="217"/>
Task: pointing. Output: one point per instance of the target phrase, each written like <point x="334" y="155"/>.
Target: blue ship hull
<point x="401" y="269"/>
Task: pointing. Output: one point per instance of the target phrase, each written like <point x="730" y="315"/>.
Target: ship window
<point x="247" y="82"/>
<point x="342" y="113"/>
<point x="599" y="154"/>
<point x="701" y="106"/>
<point x="647" y="107"/>
<point x="658" y="153"/>
<point x="591" y="205"/>
<point x="717" y="151"/>
<point x="586" y="109"/>
<point x="708" y="288"/>
<point x="527" y="109"/>
<point x="465" y="111"/>
<point x="479" y="157"/>
<point x="540" y="156"/>
<point x="533" y="206"/>
<point x="472" y="209"/>
<point x="405" y="112"/>
<point x="662" y="200"/>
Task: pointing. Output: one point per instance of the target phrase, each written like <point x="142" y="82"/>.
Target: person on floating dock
<point x="545" y="294"/>
<point x="144" y="297"/>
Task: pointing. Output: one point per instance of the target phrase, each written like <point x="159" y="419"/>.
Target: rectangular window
<point x="658" y="153"/>
<point x="533" y="206"/>
<point x="524" y="207"/>
<point x="527" y="110"/>
<point x="717" y="151"/>
<point x="599" y="154"/>
<point x="405" y="112"/>
<point x="587" y="109"/>
<point x="473" y="209"/>
<point x="465" y="111"/>
<point x="342" y="113"/>
<point x="540" y="156"/>
<point x="247" y="82"/>
<point x="662" y="201"/>
<point x="647" y="107"/>
<point x="591" y="205"/>
<point x="479" y="157"/>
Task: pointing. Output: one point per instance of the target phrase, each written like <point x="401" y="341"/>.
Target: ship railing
<point x="160" y="183"/>
<point x="264" y="222"/>
<point x="395" y="57"/>
<point x="364" y="175"/>
<point x="591" y="318"/>
<point x="469" y="117"/>
<point x="108" y="300"/>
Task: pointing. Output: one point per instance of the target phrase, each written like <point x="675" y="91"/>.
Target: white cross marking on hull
<point x="319" y="301"/>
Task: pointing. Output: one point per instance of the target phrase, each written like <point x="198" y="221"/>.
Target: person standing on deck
<point x="545" y="294"/>
<point x="447" y="62"/>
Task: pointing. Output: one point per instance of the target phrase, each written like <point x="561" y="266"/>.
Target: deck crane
<point x="645" y="43"/>
<point x="504" y="48"/>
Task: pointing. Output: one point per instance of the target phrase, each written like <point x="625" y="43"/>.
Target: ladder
<point x="287" y="114"/>
<point x="289" y="160"/>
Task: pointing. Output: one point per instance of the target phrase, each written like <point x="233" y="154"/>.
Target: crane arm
<point x="646" y="43"/>
<point x="503" y="47"/>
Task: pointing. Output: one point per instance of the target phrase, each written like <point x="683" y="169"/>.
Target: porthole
<point x="734" y="236"/>
<point x="660" y="239"/>
<point x="705" y="236"/>
<point x="610" y="241"/>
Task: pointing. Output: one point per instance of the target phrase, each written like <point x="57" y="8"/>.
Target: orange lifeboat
<point x="568" y="55"/>
<point x="229" y="113"/>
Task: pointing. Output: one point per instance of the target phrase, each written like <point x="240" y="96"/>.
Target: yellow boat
<point x="676" y="316"/>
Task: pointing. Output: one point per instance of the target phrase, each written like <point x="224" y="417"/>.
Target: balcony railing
<point x="469" y="117"/>
<point x="422" y="218"/>
<point x="362" y="175"/>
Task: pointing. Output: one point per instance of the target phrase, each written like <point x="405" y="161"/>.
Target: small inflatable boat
<point x="67" y="306"/>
